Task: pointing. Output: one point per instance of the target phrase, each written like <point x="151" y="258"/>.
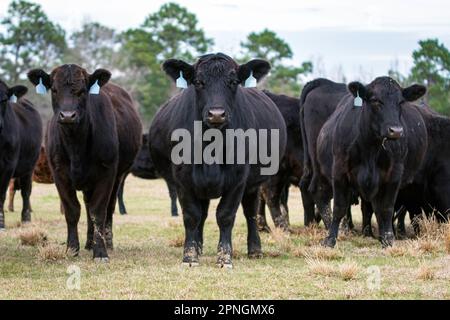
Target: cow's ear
<point x="18" y="91"/>
<point x="414" y="92"/>
<point x="358" y="89"/>
<point x="36" y="74"/>
<point x="173" y="67"/>
<point x="101" y="76"/>
<point x="260" y="68"/>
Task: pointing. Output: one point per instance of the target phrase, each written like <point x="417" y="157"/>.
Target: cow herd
<point x="367" y="144"/>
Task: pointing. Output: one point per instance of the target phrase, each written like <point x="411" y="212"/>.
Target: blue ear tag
<point x="13" y="98"/>
<point x="251" y="81"/>
<point x="40" y="88"/>
<point x="181" y="81"/>
<point x="95" y="88"/>
<point x="358" y="101"/>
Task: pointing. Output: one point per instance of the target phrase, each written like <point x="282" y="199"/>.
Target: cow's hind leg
<point x="250" y="206"/>
<point x="25" y="189"/>
<point x="110" y="213"/>
<point x="342" y="202"/>
<point x="12" y="193"/>
<point x="205" y="207"/>
<point x="5" y="178"/>
<point x="261" y="219"/>
<point x="367" y="212"/>
<point x="173" y="198"/>
<point x="122" y="208"/>
<point x="90" y="225"/>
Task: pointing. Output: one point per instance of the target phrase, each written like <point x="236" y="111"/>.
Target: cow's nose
<point x="68" y="116"/>
<point x="216" y="116"/>
<point x="395" y="132"/>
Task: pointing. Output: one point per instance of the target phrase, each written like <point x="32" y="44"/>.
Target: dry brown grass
<point x="447" y="238"/>
<point x="32" y="236"/>
<point x="426" y="272"/>
<point x="319" y="252"/>
<point x="281" y="239"/>
<point x="52" y="252"/>
<point x="397" y="251"/>
<point x="319" y="267"/>
<point x="348" y="270"/>
<point x="177" y="242"/>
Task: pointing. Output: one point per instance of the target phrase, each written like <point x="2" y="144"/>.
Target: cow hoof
<point x="264" y="229"/>
<point x="89" y="245"/>
<point x="190" y="264"/>
<point x="101" y="260"/>
<point x="329" y="242"/>
<point x="123" y="213"/>
<point x="255" y="255"/>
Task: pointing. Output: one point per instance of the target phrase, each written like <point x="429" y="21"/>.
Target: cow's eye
<point x="198" y="83"/>
<point x="375" y="102"/>
<point x="234" y="82"/>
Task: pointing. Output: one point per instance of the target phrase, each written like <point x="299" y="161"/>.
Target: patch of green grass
<point x="146" y="262"/>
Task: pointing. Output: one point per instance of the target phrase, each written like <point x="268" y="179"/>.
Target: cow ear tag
<point x="13" y="98"/>
<point x="40" y="88"/>
<point x="95" y="88"/>
<point x="251" y="81"/>
<point x="181" y="81"/>
<point x="358" y="101"/>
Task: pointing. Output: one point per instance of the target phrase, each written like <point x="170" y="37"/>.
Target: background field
<point x="146" y="262"/>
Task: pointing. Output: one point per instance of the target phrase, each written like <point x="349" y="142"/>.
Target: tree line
<point x="30" y="39"/>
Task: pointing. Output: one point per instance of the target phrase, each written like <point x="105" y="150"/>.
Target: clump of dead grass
<point x="319" y="252"/>
<point x="52" y="252"/>
<point x="426" y="272"/>
<point x="178" y="242"/>
<point x="281" y="239"/>
<point x="447" y="238"/>
<point x="32" y="236"/>
<point x="348" y="270"/>
<point x="319" y="267"/>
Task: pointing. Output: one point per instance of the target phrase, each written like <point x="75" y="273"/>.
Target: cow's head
<point x="216" y="79"/>
<point x="5" y="95"/>
<point x="69" y="85"/>
<point x="384" y="99"/>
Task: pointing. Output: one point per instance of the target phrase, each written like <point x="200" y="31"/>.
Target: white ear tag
<point x="181" y="81"/>
<point x="251" y="81"/>
<point x="95" y="88"/>
<point x="13" y="98"/>
<point x="40" y="88"/>
<point x="358" y="101"/>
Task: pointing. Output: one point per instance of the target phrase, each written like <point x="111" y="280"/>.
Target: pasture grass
<point x="146" y="262"/>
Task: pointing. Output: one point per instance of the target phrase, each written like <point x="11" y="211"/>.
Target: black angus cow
<point x="214" y="98"/>
<point x="20" y="142"/>
<point x="91" y="142"/>
<point x="275" y="191"/>
<point x="372" y="150"/>
<point x="429" y="193"/>
<point x="144" y="168"/>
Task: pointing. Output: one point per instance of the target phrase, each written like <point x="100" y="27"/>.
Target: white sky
<point x="356" y="35"/>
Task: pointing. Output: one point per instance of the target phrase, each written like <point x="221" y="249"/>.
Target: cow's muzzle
<point x="395" y="133"/>
<point x="68" y="117"/>
<point x="216" y="117"/>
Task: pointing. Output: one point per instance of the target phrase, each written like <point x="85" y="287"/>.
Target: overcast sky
<point x="352" y="35"/>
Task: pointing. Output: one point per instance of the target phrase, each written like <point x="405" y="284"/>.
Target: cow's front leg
<point x="226" y="214"/>
<point x="98" y="206"/>
<point x="5" y="178"/>
<point x="383" y="205"/>
<point x="25" y="189"/>
<point x="193" y="210"/>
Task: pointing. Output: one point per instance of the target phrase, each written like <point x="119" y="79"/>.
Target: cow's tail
<point x="307" y="167"/>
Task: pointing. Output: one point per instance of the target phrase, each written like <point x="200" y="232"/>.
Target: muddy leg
<point x="25" y="189"/>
